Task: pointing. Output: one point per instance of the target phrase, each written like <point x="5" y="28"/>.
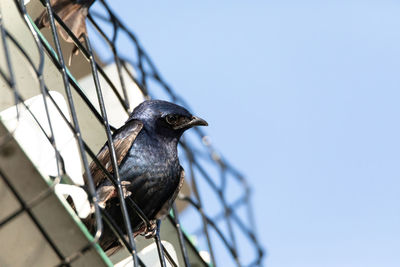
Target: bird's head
<point x="165" y="118"/>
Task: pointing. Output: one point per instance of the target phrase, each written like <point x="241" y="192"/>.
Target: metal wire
<point x="99" y="224"/>
<point x="143" y="75"/>
<point x="113" y="155"/>
<point x="180" y="236"/>
<point x="33" y="218"/>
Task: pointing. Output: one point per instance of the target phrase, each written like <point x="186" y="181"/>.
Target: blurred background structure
<point x="57" y="110"/>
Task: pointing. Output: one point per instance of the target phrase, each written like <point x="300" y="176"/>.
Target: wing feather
<point x="123" y="139"/>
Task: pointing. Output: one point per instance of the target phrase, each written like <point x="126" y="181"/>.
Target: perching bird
<point x="147" y="156"/>
<point x="73" y="13"/>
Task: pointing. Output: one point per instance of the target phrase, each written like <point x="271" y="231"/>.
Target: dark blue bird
<point x="147" y="156"/>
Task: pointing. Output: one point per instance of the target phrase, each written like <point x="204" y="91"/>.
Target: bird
<point x="148" y="164"/>
<point x="73" y="13"/>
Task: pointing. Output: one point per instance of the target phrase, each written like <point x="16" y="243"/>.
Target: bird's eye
<point x="171" y="119"/>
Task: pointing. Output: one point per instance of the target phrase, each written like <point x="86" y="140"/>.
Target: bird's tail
<point x="71" y="13"/>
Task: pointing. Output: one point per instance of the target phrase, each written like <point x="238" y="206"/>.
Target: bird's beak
<point x="195" y="121"/>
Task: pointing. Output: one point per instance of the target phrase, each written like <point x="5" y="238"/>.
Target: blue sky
<point x="317" y="86"/>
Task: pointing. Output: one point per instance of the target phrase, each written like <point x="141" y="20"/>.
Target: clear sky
<point x="317" y="86"/>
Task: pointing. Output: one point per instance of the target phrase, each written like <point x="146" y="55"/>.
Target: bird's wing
<point x="72" y="13"/>
<point x="122" y="139"/>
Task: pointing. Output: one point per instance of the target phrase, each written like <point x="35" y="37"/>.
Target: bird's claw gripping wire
<point x="151" y="230"/>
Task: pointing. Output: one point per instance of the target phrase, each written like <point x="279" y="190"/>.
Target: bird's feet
<point x="151" y="230"/>
<point x="107" y="192"/>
